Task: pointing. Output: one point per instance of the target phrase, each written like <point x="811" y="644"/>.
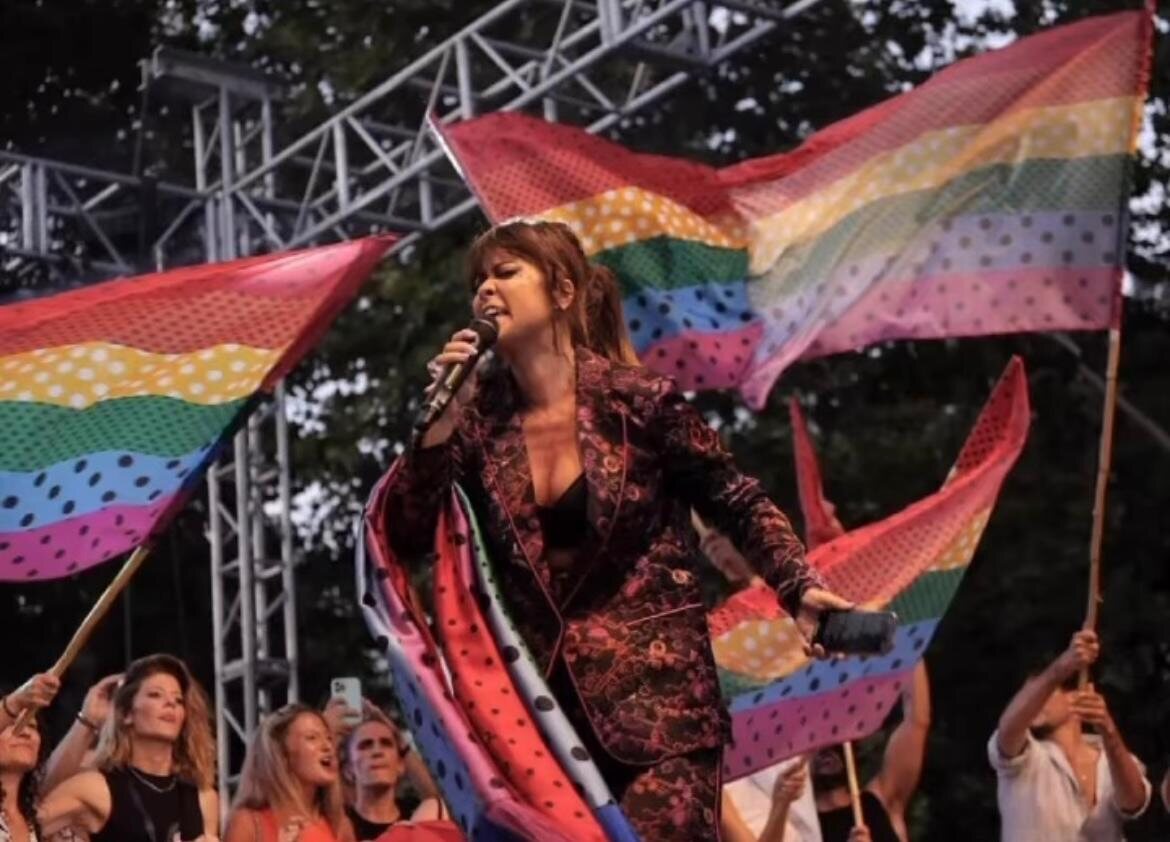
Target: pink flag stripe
<point x="950" y="306"/>
<point x="771" y="733"/>
<point x="77" y="543"/>
<point x="440" y="724"/>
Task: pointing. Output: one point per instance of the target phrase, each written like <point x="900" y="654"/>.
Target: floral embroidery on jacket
<point x="628" y="617"/>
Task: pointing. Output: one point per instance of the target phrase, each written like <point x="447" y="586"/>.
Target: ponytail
<point x="604" y="322"/>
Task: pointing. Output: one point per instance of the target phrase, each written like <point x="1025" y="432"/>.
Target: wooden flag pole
<point x="93" y="618"/>
<point x="854" y="787"/>
<point x="1104" y="464"/>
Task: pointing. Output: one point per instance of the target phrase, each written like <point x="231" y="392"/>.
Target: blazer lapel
<point x="601" y="435"/>
<point x="508" y="476"/>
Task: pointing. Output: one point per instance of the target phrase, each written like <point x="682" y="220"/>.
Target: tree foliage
<point x="888" y="421"/>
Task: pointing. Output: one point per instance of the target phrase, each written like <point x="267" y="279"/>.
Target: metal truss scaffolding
<point x="253" y="562"/>
<point x="373" y="166"/>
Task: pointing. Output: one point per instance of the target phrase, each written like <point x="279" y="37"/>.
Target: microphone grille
<point x="487" y="330"/>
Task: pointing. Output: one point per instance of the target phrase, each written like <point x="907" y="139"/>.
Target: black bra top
<point x="564" y="522"/>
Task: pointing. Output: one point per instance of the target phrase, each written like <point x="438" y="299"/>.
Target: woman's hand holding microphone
<point x="463" y="345"/>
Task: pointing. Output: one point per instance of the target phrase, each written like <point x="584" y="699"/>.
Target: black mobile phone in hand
<point x="856" y="632"/>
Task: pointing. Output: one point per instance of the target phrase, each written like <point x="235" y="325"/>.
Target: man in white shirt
<point x="1057" y="784"/>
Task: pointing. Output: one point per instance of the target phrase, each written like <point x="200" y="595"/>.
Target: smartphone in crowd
<point x="856" y="632"/>
<point x="349" y="690"/>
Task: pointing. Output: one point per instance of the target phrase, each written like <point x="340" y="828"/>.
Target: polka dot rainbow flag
<point x="912" y="562"/>
<point x="115" y="397"/>
<point x="991" y="199"/>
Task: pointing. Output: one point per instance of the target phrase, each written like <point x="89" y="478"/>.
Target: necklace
<point x="161" y="790"/>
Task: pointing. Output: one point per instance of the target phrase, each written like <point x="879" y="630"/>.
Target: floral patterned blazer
<point x="628" y="617"/>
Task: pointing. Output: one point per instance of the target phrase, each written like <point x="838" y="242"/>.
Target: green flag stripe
<point x="670" y="263"/>
<point x="36" y="435"/>
<point x="1094" y="183"/>
<point x="928" y="596"/>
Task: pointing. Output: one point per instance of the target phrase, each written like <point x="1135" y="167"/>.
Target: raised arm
<point x="788" y="788"/>
<point x="70" y="755"/>
<point x="1029" y="699"/>
<point x="901" y="768"/>
<point x="420" y="477"/>
<point x="731" y="823"/>
<point x="1131" y="790"/>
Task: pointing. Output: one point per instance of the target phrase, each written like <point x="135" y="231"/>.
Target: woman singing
<point x="155" y="764"/>
<point x="583" y="467"/>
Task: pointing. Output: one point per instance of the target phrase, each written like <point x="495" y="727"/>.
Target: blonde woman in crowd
<point x="290" y="790"/>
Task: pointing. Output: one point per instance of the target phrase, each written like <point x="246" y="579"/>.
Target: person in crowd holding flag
<point x="290" y="787"/>
<point x="800" y="812"/>
<point x="20" y="754"/>
<point x="154" y="769"/>
<point x="885" y="798"/>
<point x="76" y="749"/>
<point x="773" y="805"/>
<point x="584" y="467"/>
<point x="36" y="693"/>
<point x="1054" y="781"/>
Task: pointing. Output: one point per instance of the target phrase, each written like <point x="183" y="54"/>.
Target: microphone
<point x="453" y="376"/>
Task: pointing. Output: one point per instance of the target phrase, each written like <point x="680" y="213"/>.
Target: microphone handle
<point x="452" y="378"/>
<point x="450" y="381"/>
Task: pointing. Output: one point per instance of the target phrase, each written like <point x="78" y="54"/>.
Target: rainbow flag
<point x="782" y="703"/>
<point x="504" y="755"/>
<point x="991" y="199"/>
<point x="115" y="397"/>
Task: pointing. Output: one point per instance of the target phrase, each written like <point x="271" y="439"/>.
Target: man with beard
<point x="885" y="798"/>
<point x="1056" y="782"/>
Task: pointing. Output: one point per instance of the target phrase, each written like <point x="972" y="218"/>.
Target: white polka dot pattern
<point x="620" y="217"/>
<point x="78" y="376"/>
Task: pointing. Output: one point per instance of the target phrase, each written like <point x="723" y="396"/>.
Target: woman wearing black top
<point x="155" y="764"/>
<point x="375" y="766"/>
